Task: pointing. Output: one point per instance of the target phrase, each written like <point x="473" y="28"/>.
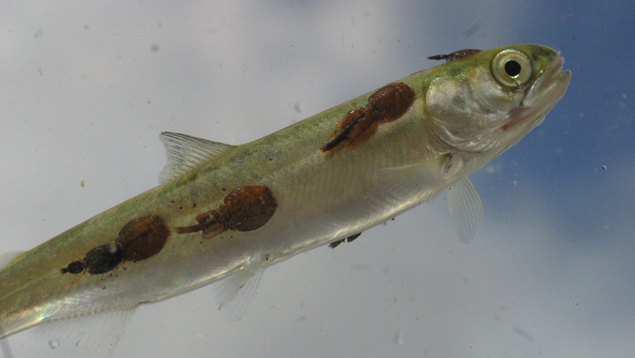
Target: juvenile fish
<point x="225" y="212"/>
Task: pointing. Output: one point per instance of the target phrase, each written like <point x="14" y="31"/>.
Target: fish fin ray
<point x="433" y="198"/>
<point x="466" y="209"/>
<point x="185" y="153"/>
<point x="7" y="257"/>
<point x="236" y="292"/>
<point x="99" y="333"/>
<point x="406" y="181"/>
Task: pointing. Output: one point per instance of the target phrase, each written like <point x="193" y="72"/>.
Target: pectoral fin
<point x="236" y="292"/>
<point x="466" y="209"/>
<point x="408" y="181"/>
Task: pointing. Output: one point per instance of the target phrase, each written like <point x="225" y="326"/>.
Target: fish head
<point x="486" y="102"/>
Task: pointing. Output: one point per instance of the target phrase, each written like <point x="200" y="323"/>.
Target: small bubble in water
<point x="604" y="167"/>
<point x="399" y="339"/>
<point x="54" y="344"/>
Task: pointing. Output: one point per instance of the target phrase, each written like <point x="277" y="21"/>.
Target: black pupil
<point x="512" y="68"/>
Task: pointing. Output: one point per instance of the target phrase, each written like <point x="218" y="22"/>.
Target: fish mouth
<point x="547" y="90"/>
<point x="544" y="93"/>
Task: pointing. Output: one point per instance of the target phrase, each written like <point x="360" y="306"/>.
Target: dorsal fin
<point x="186" y="153"/>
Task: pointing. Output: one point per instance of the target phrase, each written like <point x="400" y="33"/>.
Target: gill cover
<point x="472" y="101"/>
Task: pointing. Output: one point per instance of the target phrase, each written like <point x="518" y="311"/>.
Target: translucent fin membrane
<point x="236" y="292"/>
<point x="466" y="209"/>
<point x="99" y="333"/>
<point x="186" y="153"/>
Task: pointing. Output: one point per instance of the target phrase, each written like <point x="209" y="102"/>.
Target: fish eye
<point x="511" y="68"/>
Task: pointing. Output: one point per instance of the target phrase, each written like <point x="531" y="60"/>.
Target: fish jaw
<point x="543" y="95"/>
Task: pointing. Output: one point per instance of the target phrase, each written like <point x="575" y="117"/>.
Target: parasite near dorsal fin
<point x="186" y="153"/>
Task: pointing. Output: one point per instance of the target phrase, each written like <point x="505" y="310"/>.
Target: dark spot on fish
<point x="138" y="240"/>
<point x="351" y="127"/>
<point x="143" y="238"/>
<point x="102" y="259"/>
<point x="358" y="125"/>
<point x="194" y="205"/>
<point x="337" y="243"/>
<point x="391" y="101"/>
<point x="456" y="55"/>
<point x="74" y="267"/>
<point x="246" y="208"/>
<point x="249" y="207"/>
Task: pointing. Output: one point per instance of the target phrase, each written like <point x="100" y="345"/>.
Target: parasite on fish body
<point x="225" y="213"/>
<point x="358" y="125"/>
<point x="138" y="240"/>
<point x="245" y="209"/>
<point x="454" y="55"/>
